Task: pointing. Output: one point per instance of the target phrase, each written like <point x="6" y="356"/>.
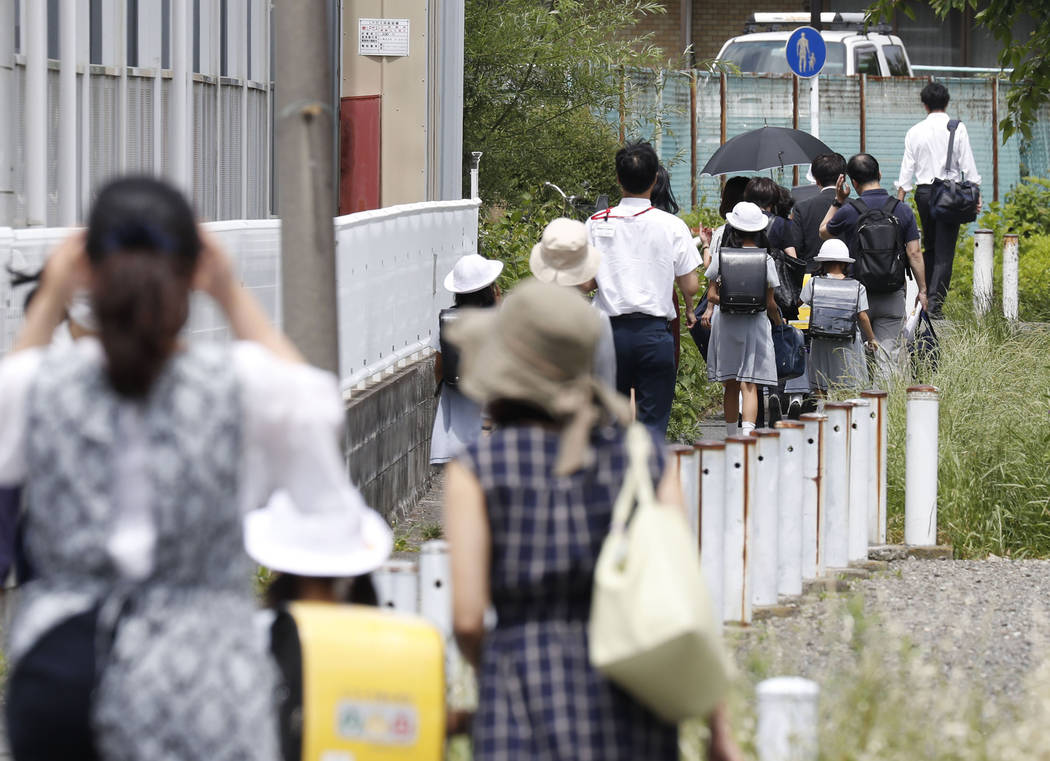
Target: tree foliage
<point x="1029" y="57"/>
<point x="538" y="76"/>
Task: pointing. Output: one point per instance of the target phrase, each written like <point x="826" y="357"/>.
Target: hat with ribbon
<point x="538" y="347"/>
<point x="747" y="217"/>
<point x="330" y="543"/>
<point x="472" y="273"/>
<point x="834" y="250"/>
<point x="564" y="255"/>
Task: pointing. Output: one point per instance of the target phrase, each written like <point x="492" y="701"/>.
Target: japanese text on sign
<point x="382" y="36"/>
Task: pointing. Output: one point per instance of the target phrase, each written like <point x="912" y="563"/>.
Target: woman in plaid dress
<point x="527" y="509"/>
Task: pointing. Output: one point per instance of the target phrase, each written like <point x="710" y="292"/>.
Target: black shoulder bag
<point x="954" y="201"/>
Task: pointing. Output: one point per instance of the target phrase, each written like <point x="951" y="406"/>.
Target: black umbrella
<point x="765" y="148"/>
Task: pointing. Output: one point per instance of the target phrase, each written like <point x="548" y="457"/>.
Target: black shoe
<point x="774" y="410"/>
<point x="794" y="410"/>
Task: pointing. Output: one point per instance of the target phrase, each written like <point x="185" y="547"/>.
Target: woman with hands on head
<point x="140" y="455"/>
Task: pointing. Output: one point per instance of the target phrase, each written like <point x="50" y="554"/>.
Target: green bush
<point x="1026" y="212"/>
<point x="994" y="440"/>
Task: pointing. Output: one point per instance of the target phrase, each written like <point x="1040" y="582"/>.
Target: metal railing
<point x="389" y="263"/>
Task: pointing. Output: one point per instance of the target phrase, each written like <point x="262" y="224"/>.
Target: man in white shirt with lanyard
<point x="645" y="251"/>
<point x="925" y="153"/>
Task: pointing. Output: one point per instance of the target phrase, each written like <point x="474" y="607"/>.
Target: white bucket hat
<point x="834" y="250"/>
<point x="564" y="256"/>
<point x="472" y="273"/>
<point x="349" y="542"/>
<point x="747" y="217"/>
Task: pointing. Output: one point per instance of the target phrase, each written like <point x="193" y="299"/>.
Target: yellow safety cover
<point x="373" y="684"/>
<point x="802" y="323"/>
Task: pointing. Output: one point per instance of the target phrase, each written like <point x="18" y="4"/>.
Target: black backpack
<point x="834" y="309"/>
<point x="880" y="249"/>
<point x="742" y="272"/>
<point x="449" y="352"/>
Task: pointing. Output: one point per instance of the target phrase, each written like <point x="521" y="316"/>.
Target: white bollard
<point x="739" y="490"/>
<point x="435" y="585"/>
<point x="789" y="521"/>
<point x="689" y="476"/>
<point x="1010" y="276"/>
<point x="879" y="459"/>
<point x="397" y="585"/>
<point x="766" y="530"/>
<point x="920" y="467"/>
<point x="712" y="465"/>
<point x="861" y="430"/>
<point x="787" y="719"/>
<point x="836" y="480"/>
<point x="813" y="500"/>
<point x="983" y="271"/>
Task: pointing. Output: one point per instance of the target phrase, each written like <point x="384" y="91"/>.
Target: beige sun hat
<point x="834" y="250"/>
<point x="339" y="544"/>
<point x="747" y="217"/>
<point x="564" y="256"/>
<point x="538" y="347"/>
<point x="472" y="273"/>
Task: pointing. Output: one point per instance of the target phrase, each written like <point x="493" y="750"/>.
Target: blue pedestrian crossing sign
<point x="806" y="52"/>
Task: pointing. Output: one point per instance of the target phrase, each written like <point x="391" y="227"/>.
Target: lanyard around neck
<point x="606" y="215"/>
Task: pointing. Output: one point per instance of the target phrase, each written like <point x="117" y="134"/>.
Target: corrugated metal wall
<point x="657" y="108"/>
<point x="219" y="131"/>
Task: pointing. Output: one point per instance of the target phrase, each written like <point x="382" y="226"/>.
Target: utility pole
<point x="305" y="165"/>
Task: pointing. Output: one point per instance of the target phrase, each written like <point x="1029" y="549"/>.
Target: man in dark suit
<point x="809" y="213"/>
<point x="801" y="193"/>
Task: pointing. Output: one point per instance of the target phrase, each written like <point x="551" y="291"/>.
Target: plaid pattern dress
<point x="539" y="697"/>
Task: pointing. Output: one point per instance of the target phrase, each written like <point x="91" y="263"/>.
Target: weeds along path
<point x="973" y="627"/>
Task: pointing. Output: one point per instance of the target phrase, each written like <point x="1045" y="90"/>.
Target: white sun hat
<point x="747" y="217"/>
<point x="564" y="256"/>
<point x="472" y="273"/>
<point x="834" y="250"/>
<point x="348" y="542"/>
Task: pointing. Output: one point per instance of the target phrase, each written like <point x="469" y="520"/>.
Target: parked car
<point x="852" y="47"/>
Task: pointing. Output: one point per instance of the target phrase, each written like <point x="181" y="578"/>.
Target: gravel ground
<point x="980" y="623"/>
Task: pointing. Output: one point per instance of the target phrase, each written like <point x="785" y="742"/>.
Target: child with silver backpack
<point x="839" y="305"/>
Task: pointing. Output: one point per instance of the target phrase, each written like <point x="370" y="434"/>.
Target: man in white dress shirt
<point x="925" y="152"/>
<point x="645" y="252"/>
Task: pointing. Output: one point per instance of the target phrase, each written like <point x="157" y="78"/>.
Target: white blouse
<point x="292" y="418"/>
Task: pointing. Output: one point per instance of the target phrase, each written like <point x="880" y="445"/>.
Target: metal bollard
<point x="766" y="529"/>
<point x="397" y="585"/>
<point x="879" y="459"/>
<point x="712" y="465"/>
<point x="1010" y="276"/>
<point x="787" y="719"/>
<point x="789" y="521"/>
<point x="813" y="499"/>
<point x="739" y="490"/>
<point x="920" y="467"/>
<point x="859" y="478"/>
<point x="689" y="476"/>
<point x="836" y="480"/>
<point x="435" y="585"/>
<point x="983" y="257"/>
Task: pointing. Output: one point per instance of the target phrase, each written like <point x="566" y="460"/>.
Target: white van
<point x="851" y="49"/>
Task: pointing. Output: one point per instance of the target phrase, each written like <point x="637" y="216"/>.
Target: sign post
<point x="806" y="54"/>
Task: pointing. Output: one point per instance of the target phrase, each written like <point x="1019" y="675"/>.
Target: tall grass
<point x="994" y="440"/>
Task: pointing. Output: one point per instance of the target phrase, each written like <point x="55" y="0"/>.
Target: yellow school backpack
<point x="373" y="684"/>
<point x="802" y="323"/>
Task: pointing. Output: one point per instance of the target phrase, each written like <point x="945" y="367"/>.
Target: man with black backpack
<point x="883" y="239"/>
